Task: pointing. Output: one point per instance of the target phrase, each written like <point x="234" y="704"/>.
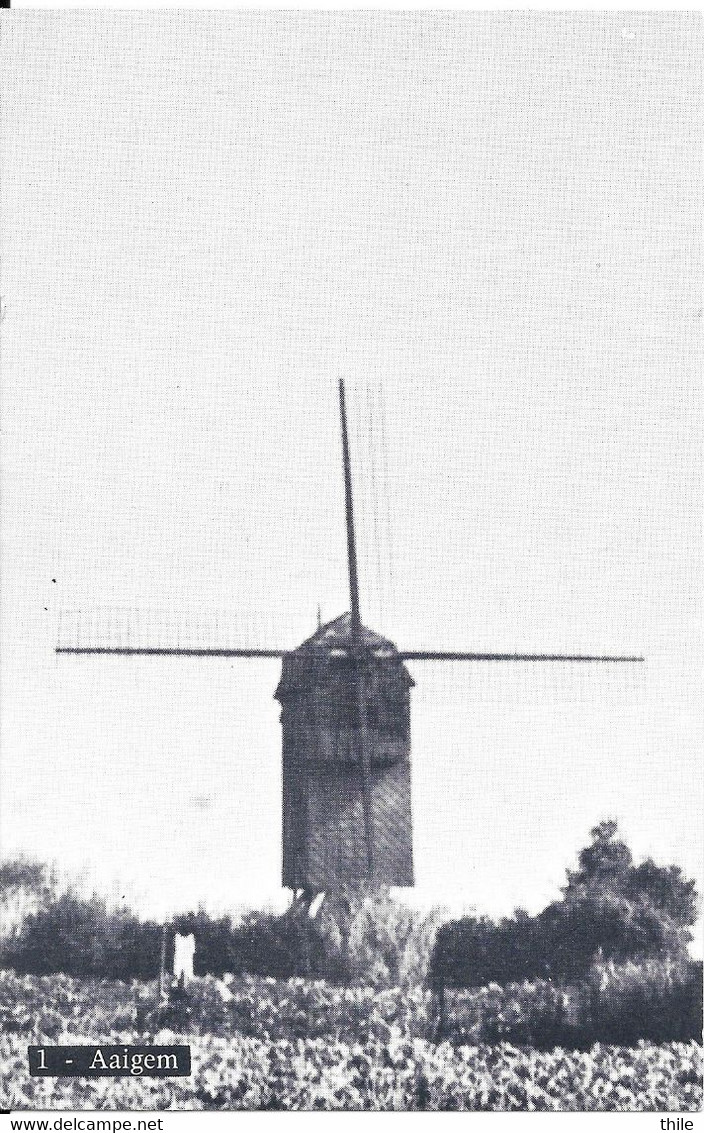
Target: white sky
<point x="490" y="224"/>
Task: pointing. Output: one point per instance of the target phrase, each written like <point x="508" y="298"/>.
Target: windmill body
<point x="326" y="784"/>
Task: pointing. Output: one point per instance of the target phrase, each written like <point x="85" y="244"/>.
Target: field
<point x="295" y="1044"/>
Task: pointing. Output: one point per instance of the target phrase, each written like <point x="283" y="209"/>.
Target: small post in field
<point x="162" y="963"/>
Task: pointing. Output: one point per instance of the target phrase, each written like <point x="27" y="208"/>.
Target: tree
<point x="614" y="908"/>
<point x="666" y="888"/>
<point x="26" y="886"/>
<point x="610" y="909"/>
<point x="23" y="873"/>
<point x="604" y="863"/>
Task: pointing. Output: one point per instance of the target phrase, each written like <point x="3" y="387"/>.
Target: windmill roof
<point x="326" y="648"/>
<point x="338" y="634"/>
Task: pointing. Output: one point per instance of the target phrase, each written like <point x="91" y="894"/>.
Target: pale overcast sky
<point x="490" y="225"/>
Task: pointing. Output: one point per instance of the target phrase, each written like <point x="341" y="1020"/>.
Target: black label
<point x="110" y="1061"/>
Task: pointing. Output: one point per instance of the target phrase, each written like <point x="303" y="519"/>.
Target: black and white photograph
<point x="351" y="607"/>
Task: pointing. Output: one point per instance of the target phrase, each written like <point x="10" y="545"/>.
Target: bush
<point x="534" y="1014"/>
<point x="476" y="951"/>
<point x="577" y="930"/>
<point x="369" y="938"/>
<point x="81" y="938"/>
<point x="658" y="999"/>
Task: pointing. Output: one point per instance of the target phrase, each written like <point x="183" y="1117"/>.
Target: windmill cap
<point x="337" y="634"/>
<point x="328" y="649"/>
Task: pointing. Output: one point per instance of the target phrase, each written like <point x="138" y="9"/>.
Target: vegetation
<point x="82" y="938"/>
<point x="609" y="909"/>
<point x="614" y="945"/>
<point x="363" y="937"/>
<point x="298" y="1044"/>
<point x="593" y="1004"/>
<point x="658" y="1001"/>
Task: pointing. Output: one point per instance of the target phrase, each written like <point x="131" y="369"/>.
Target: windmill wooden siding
<point x="323" y="816"/>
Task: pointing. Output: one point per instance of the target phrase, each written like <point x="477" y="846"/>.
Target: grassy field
<point x="295" y="1044"/>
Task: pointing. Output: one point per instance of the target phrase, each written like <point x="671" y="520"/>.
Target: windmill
<point x="345" y="715"/>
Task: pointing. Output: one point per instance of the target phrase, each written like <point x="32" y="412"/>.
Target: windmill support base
<point x="299" y="909"/>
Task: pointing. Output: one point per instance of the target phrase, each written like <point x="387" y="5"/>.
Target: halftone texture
<point x="490" y="225"/>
